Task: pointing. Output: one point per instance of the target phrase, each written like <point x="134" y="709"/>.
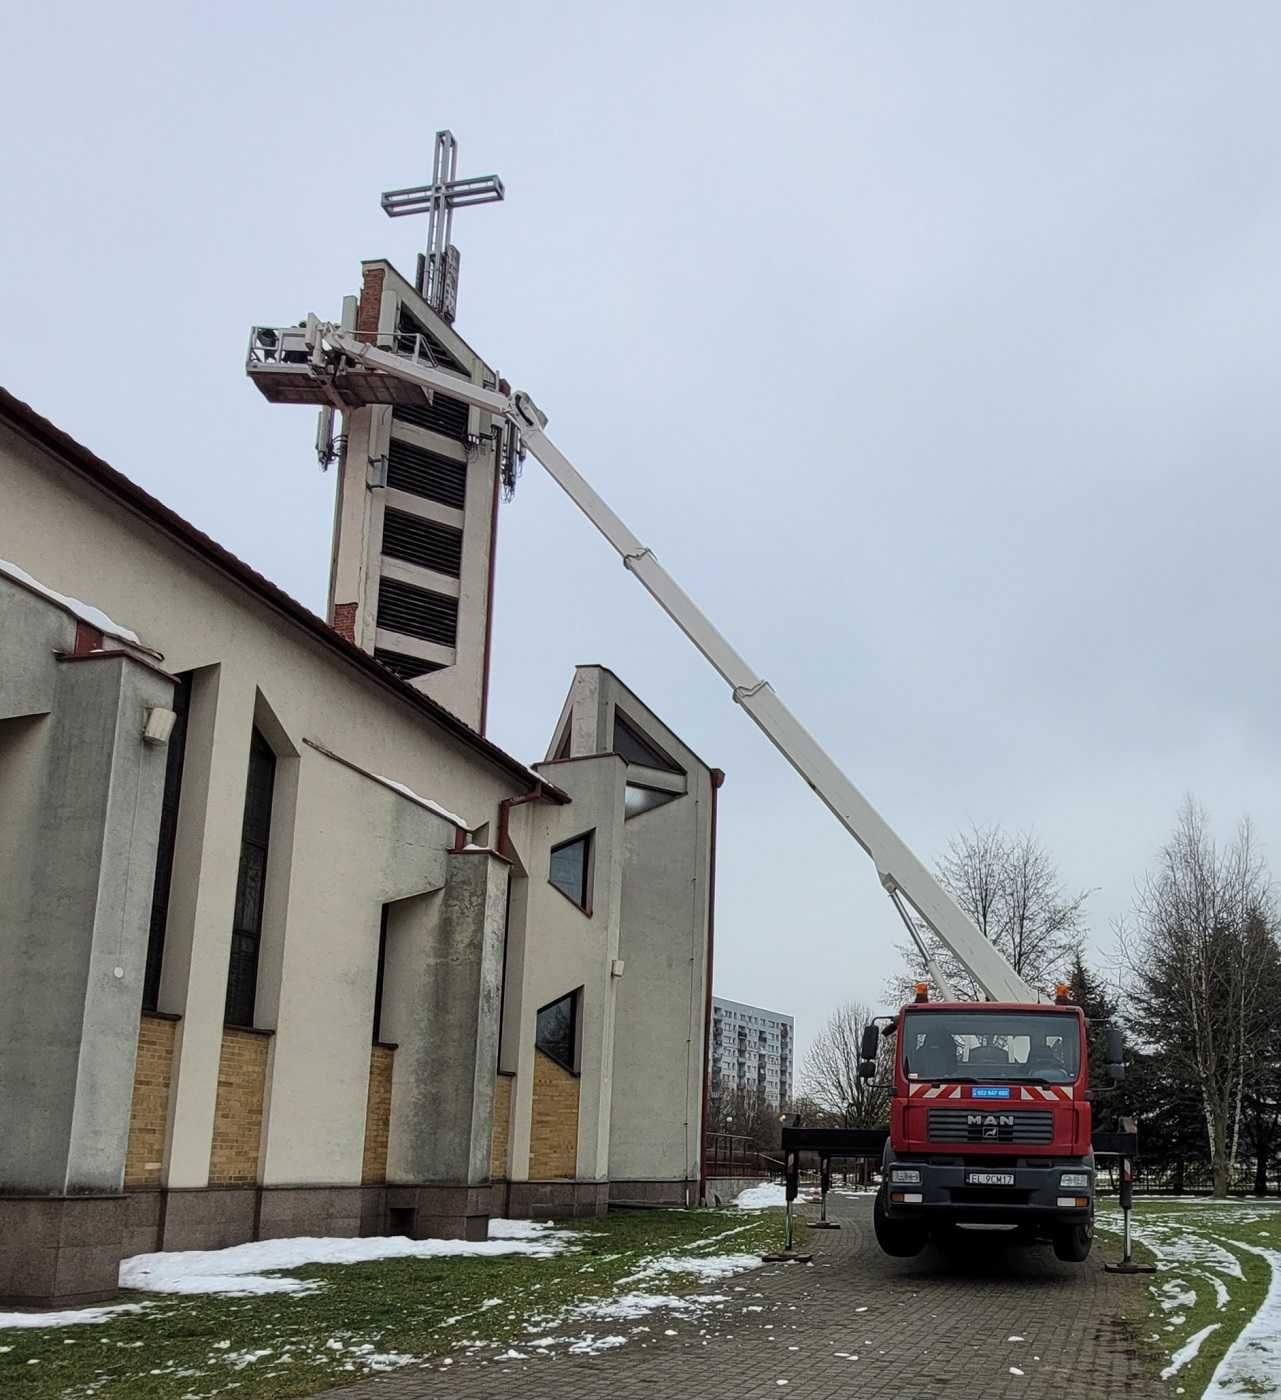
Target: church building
<point x="288" y="946"/>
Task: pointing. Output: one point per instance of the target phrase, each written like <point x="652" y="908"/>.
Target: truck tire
<point x="1072" y="1242"/>
<point x="899" y="1238"/>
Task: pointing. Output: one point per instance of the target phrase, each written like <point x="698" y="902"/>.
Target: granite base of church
<point x="64" y="1251"/>
<point x="59" y="1251"/>
<point x="547" y="1200"/>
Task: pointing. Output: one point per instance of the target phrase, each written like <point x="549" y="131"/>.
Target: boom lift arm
<point x="904" y="876"/>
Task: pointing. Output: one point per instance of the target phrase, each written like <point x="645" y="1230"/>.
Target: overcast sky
<point x="933" y="347"/>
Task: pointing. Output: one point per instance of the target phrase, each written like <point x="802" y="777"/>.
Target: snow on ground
<point x="769" y="1194"/>
<point x="1187" y="1351"/>
<point x="1252" y="1363"/>
<point x="706" y="1267"/>
<point x="1173" y="1241"/>
<point x="246" y="1268"/>
<point x="66" y="1319"/>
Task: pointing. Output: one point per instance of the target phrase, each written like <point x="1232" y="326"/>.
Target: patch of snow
<point x="1187" y="1352"/>
<point x="240" y="1359"/>
<point x="86" y="612"/>
<point x="68" y="1318"/>
<point x="769" y="1194"/>
<point x="244" y="1269"/>
<point x="1176" y="1242"/>
<point x="422" y="801"/>
<point x="707" y="1267"/>
<point x="1177" y="1295"/>
<point x="1253" y="1361"/>
<point x="589" y="1344"/>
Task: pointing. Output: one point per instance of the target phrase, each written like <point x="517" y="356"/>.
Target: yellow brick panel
<point x="237" y="1130"/>
<point x="149" y="1115"/>
<point x="553" y="1135"/>
<point x="502" y="1125"/>
<point x="377" y="1115"/>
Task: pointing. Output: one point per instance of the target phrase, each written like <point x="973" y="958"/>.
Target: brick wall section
<point x="149" y="1116"/>
<point x="371" y="300"/>
<point x="237" y="1130"/>
<point x="373" y="1170"/>
<point x="344" y="620"/>
<point x="553" y="1132"/>
<point x="502" y="1125"/>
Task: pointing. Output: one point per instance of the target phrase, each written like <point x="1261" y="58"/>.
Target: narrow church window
<point x="381" y="974"/>
<point x="555" y="1034"/>
<point x="632" y="745"/>
<point x="165" y="847"/>
<point x="251" y="885"/>
<point x="570" y="869"/>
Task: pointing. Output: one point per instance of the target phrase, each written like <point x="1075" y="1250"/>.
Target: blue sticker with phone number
<point x="991" y="1091"/>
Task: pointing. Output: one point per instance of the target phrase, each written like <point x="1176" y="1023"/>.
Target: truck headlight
<point x="1074" y="1181"/>
<point x="905" y="1176"/>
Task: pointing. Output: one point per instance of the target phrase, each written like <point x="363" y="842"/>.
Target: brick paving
<point x="924" y="1327"/>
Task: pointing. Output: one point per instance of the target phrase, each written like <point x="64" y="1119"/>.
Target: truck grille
<point x="1035" y="1125"/>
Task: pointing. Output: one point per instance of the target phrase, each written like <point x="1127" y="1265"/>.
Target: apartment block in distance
<point x="751" y="1049"/>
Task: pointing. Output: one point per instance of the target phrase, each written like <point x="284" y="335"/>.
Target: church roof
<point x="52" y="438"/>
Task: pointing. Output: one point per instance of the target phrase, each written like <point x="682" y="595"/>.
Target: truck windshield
<point x="1034" y="1046"/>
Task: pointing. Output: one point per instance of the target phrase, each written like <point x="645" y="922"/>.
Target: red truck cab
<point x="990" y="1126"/>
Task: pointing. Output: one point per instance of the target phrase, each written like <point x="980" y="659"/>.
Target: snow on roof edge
<point x="86" y="612"/>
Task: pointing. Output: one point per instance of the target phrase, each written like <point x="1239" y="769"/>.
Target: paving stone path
<point x="853" y="1323"/>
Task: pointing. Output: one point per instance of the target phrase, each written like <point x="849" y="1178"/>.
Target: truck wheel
<point x="1072" y="1243"/>
<point x="900" y="1238"/>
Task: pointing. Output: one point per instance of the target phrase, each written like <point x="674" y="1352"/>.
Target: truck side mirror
<point x="871" y="1039"/>
<point x="866" y="1069"/>
<point x="1116" y="1053"/>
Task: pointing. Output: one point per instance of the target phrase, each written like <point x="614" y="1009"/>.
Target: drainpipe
<point x="502" y="843"/>
<point x="718" y="777"/>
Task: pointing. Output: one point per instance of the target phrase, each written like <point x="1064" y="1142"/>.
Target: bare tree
<point x="829" y="1076"/>
<point x="1010" y="888"/>
<point x="745" y="1112"/>
<point x="1202" y="954"/>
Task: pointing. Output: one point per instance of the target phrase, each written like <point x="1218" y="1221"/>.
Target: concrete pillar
<point x="77" y="905"/>
<point x="442" y="1109"/>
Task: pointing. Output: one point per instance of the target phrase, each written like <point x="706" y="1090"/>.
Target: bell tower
<point x="416" y="511"/>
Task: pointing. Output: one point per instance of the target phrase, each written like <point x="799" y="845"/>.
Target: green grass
<point x="189" y="1346"/>
<point x="1161" y="1331"/>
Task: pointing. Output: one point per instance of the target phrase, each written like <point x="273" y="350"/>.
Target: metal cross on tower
<point x="438" y="268"/>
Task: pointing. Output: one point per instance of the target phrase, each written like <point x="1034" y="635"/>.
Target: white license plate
<point x="989" y="1178"/>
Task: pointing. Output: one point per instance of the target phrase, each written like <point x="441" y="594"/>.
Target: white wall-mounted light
<point x="158" y="725"/>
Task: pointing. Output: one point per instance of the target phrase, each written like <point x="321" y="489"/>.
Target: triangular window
<point x="571" y="870"/>
<point x="644" y="799"/>
<point x="556" y="1031"/>
<point x="632" y="745"/>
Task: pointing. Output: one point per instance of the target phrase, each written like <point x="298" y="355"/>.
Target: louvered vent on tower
<point x="407" y="327"/>
<point x="443" y="415"/>
<point x="417" y="612"/>
<point x="423" y="473"/>
<point x="406" y="667"/>
<point x="423" y="542"/>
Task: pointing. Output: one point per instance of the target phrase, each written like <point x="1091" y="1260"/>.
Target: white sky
<point x="931" y="346"/>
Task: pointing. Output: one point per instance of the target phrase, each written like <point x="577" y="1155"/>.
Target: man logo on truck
<point x="990" y="1124"/>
